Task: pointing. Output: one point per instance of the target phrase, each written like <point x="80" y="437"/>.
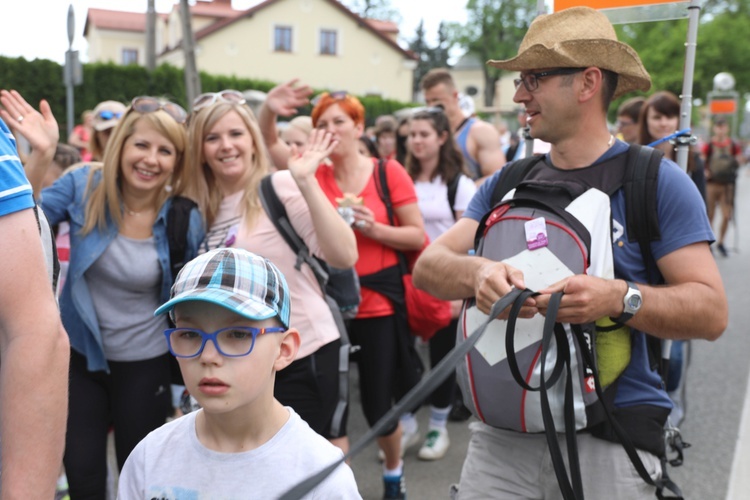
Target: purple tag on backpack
<point x="536" y="233"/>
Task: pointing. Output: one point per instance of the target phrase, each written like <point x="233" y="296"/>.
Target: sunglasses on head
<point x="108" y="115"/>
<point x="207" y="99"/>
<point x="148" y="104"/>
<point x="339" y="95"/>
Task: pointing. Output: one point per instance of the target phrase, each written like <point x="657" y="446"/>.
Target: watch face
<point x="634" y="301"/>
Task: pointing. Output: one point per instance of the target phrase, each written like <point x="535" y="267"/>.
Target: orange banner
<point x="607" y="4"/>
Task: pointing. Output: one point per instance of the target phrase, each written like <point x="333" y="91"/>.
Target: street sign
<point x="631" y="11"/>
<point x="606" y="4"/>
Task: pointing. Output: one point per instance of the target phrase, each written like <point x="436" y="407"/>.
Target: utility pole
<point x="192" y="79"/>
<point x="151" y="36"/>
<point x="72" y="72"/>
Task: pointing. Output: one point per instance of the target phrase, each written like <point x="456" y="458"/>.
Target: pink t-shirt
<point x="310" y="313"/>
<point x="373" y="255"/>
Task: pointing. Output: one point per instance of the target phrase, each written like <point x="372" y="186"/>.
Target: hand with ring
<point x="38" y="127"/>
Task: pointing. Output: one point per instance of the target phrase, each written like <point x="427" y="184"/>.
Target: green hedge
<point x="43" y="79"/>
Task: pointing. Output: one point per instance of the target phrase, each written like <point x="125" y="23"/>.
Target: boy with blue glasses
<point x="231" y="308"/>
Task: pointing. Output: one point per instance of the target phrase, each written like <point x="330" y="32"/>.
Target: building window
<point x="129" y="56"/>
<point x="328" y="42"/>
<point x="282" y="39"/>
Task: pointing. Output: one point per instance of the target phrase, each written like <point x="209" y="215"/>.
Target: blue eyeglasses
<point x="232" y="342"/>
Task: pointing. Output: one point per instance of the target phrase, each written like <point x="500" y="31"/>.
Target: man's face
<point x="548" y="106"/>
<point x="442" y="95"/>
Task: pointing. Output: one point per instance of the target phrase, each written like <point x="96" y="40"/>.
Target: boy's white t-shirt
<point x="433" y="203"/>
<point x="171" y="464"/>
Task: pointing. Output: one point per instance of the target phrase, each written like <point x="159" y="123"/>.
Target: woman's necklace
<point x="133" y="213"/>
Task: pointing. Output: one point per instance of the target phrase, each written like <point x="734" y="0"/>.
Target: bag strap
<point x="417" y="394"/>
<point x="178" y="224"/>
<point x="381" y="183"/>
<point x="452" y="191"/>
<point x="512" y="175"/>
<point x="640" y="185"/>
<point x="280" y="219"/>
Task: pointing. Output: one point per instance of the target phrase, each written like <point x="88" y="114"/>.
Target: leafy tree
<point x="429" y="57"/>
<point x="494" y="30"/>
<point x="374" y="9"/>
<point x="419" y="47"/>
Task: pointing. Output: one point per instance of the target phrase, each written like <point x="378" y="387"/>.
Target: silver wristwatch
<point x="632" y="303"/>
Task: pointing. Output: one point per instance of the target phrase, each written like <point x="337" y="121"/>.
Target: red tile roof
<point x="136" y="21"/>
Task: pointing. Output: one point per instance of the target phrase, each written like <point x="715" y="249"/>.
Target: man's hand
<point x="585" y="298"/>
<point x="496" y="279"/>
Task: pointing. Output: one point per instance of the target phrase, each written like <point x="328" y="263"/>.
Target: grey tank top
<point x="125" y="285"/>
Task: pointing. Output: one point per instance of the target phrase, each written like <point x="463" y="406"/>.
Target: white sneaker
<point x="435" y="445"/>
<point x="408" y="439"/>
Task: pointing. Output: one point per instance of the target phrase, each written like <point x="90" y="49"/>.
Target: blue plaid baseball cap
<point x="241" y="281"/>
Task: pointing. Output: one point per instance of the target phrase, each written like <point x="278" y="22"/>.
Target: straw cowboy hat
<point x="579" y="37"/>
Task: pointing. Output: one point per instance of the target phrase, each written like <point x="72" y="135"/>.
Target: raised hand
<point x="319" y="146"/>
<point x="284" y="99"/>
<point x="38" y="127"/>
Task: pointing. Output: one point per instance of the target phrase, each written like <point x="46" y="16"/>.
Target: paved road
<point x="716" y="393"/>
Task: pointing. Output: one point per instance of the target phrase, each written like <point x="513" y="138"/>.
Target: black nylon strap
<point x="417" y="394"/>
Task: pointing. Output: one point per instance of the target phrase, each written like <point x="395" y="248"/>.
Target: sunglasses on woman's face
<point x="207" y="99"/>
<point x="107" y="115"/>
<point x="147" y="104"/>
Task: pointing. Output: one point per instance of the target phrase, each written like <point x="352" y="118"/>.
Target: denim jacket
<point x="66" y="200"/>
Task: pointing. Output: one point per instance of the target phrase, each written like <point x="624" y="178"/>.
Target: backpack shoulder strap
<point x="452" y="191"/>
<point x="513" y="174"/>
<point x="280" y="219"/>
<point x="178" y="222"/>
<point x="381" y="183"/>
<point x="640" y="185"/>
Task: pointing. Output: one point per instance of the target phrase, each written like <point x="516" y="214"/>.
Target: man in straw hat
<point x="571" y="66"/>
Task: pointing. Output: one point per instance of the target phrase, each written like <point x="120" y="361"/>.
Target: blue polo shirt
<point x="15" y="191"/>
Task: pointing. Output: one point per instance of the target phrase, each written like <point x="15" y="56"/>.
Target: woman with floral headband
<point x="226" y="162"/>
<point x="119" y="273"/>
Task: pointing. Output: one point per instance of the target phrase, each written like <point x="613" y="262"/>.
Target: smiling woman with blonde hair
<point x="119" y="273"/>
<point x="227" y="161"/>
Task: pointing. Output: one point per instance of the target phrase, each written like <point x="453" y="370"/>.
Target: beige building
<point x="319" y="41"/>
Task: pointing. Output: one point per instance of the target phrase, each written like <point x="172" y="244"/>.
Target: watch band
<point x="628" y="312"/>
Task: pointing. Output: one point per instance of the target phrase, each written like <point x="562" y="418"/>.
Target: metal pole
<point x="683" y="147"/>
<point x="69" y="62"/>
<point x="151" y="36"/>
<point x="192" y="80"/>
<point x="528" y="140"/>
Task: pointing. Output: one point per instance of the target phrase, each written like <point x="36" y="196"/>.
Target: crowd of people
<point x="156" y="208"/>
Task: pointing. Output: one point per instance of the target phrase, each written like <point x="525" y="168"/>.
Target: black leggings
<point x="134" y="398"/>
<point x="440" y="345"/>
<point x="378" y="363"/>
